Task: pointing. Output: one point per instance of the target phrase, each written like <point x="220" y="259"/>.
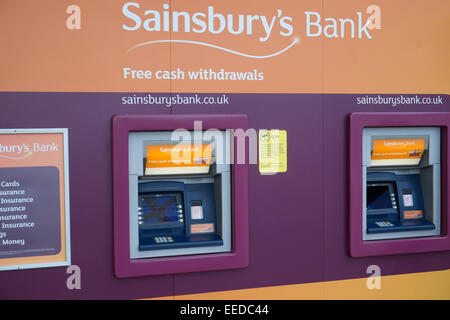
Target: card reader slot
<point x="377" y="216"/>
<point x="155" y="230"/>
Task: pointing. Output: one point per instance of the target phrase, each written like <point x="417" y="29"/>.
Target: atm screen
<point x="159" y="208"/>
<point x="378" y="197"/>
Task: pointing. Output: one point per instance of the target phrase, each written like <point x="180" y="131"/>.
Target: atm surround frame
<point x="122" y="125"/>
<point x="357" y="122"/>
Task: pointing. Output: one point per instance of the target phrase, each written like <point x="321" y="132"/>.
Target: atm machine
<point x="401" y="172"/>
<point x="395" y="203"/>
<point x="180" y="202"/>
<point x="177" y="215"/>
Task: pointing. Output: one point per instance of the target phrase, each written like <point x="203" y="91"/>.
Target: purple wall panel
<point x="88" y="117"/>
<point x="285" y="210"/>
<point x="338" y="263"/>
<point x="298" y="220"/>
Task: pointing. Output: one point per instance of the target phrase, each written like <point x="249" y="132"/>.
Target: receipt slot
<point x="398" y="183"/>
<point x="180" y="197"/>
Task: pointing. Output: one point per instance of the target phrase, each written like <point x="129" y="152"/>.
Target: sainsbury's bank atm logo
<point x="210" y="20"/>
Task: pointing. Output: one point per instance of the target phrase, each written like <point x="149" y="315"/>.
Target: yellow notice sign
<point x="272" y="151"/>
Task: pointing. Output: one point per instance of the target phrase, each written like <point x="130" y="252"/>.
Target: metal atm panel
<point x="401" y="182"/>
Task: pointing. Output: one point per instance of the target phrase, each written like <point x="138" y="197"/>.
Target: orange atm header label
<point x="185" y="156"/>
<point x="398" y="149"/>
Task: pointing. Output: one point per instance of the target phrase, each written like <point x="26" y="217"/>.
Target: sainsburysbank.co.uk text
<point x="170" y="100"/>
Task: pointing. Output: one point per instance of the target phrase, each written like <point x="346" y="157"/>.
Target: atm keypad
<point x="163" y="239"/>
<point x="384" y="224"/>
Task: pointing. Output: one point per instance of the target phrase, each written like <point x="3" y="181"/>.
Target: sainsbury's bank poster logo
<point x="23" y="151"/>
<point x="15" y="152"/>
<point x="211" y="21"/>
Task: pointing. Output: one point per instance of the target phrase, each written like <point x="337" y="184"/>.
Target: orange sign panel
<point x="178" y="159"/>
<point x="398" y="149"/>
<point x="186" y="155"/>
<point x="33" y="200"/>
<point x="292" y="46"/>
